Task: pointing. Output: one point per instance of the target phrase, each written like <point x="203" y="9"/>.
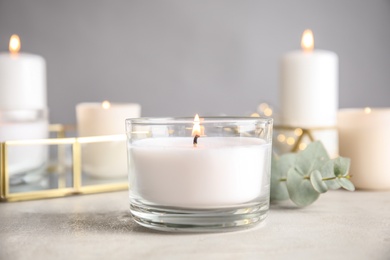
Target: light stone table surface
<point x="340" y="225"/>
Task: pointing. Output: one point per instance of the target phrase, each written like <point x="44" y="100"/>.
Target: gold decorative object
<point x="297" y="142"/>
<point x="63" y="172"/>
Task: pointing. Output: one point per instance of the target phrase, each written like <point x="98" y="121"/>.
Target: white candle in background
<point x="23" y="106"/>
<point x="104" y="160"/>
<point x="365" y="138"/>
<point x="309" y="91"/>
<point x="219" y="171"/>
<point x="22" y="79"/>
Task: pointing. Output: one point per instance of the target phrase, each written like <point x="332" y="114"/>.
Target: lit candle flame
<point x="106" y="104"/>
<point x="14" y="44"/>
<point x="307" y="41"/>
<point x="196" y="130"/>
<point x="196" y="127"/>
<point x="367" y="110"/>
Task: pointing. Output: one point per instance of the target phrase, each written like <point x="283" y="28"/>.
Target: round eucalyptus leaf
<point x="278" y="187"/>
<point x="346" y="184"/>
<point x="327" y="171"/>
<point x="317" y="182"/>
<point x="286" y="161"/>
<point x="300" y="189"/>
<point x="341" y="166"/>
<point x="333" y="184"/>
<point x="278" y="190"/>
<point x="312" y="158"/>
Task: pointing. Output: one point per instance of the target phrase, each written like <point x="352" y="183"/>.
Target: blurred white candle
<point x="23" y="106"/>
<point x="309" y="90"/>
<point x="365" y="138"/>
<point x="104" y="160"/>
<point x="22" y="79"/>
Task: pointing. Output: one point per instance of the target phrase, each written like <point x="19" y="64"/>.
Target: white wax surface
<point x="309" y="93"/>
<point x="25" y="158"/>
<point x="221" y="171"/>
<point x="22" y="81"/>
<point x="104" y="160"/>
<point x="309" y="88"/>
<point x="365" y="138"/>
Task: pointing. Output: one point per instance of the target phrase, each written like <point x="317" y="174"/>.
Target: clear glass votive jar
<point x="207" y="175"/>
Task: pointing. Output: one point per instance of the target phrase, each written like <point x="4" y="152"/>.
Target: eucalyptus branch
<point x="303" y="176"/>
<point x="324" y="179"/>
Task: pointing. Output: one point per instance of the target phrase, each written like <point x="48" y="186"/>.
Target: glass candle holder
<point x="24" y="125"/>
<point x="206" y="175"/>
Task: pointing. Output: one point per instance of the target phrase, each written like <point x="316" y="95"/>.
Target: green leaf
<point x="300" y="189"/>
<point x="286" y="161"/>
<point x="317" y="182"/>
<point x="327" y="171"/>
<point x="341" y="166"/>
<point x="312" y="158"/>
<point x="279" y="170"/>
<point x="346" y="184"/>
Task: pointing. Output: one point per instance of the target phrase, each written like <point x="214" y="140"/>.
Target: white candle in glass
<point x="219" y="171"/>
<point x="365" y="138"/>
<point x="309" y="91"/>
<point x="23" y="106"/>
<point x="104" y="160"/>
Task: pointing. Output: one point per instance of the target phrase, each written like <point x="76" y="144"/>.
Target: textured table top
<point x="340" y="225"/>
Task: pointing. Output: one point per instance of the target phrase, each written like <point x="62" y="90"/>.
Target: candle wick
<point x="196" y="140"/>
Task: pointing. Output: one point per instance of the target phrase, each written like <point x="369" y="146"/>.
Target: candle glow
<point x="196" y="130"/>
<point x="196" y="127"/>
<point x="106" y="104"/>
<point x="307" y="41"/>
<point x="14" y="44"/>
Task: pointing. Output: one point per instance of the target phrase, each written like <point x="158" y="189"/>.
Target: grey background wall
<point x="181" y="57"/>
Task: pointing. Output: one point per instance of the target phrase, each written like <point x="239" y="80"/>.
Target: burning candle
<point x="22" y="79"/>
<point x="23" y="106"/>
<point x="309" y="91"/>
<point x="104" y="160"/>
<point x="217" y="165"/>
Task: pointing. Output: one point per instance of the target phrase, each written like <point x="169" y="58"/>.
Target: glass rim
<point x="203" y="120"/>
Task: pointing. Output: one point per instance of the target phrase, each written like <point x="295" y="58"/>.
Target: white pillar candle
<point x="23" y="106"/>
<point x="309" y="91"/>
<point x="365" y="138"/>
<point x="22" y="80"/>
<point x="104" y="160"/>
<point x="219" y="171"/>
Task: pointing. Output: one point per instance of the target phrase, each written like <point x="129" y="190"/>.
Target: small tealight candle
<point x="104" y="160"/>
<point x="364" y="136"/>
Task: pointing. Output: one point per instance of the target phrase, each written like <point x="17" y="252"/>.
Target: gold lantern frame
<point x="62" y="190"/>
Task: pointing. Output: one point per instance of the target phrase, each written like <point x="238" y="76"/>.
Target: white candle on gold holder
<point x="365" y="138"/>
<point x="309" y="91"/>
<point x="23" y="106"/>
<point x="104" y="160"/>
